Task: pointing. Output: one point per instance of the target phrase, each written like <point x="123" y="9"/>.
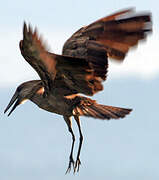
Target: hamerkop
<point x="81" y="68"/>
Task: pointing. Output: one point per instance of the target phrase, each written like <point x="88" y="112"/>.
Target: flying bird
<point x="81" y="68"/>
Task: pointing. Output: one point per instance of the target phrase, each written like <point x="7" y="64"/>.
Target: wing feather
<point x="111" y="36"/>
<point x="35" y="53"/>
<point x="75" y="73"/>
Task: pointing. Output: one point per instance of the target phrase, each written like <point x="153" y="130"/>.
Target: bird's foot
<point x="77" y="165"/>
<point x="71" y="163"/>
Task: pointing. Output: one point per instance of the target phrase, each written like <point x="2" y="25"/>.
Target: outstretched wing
<point x="35" y="53"/>
<point x="110" y="36"/>
<point x="75" y="74"/>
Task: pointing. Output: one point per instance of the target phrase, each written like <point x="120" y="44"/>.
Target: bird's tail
<point x="92" y="109"/>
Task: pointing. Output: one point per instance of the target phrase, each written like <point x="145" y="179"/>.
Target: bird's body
<point x="58" y="105"/>
<point x="69" y="105"/>
<point x="81" y="68"/>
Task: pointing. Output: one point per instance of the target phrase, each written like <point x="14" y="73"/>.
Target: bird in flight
<point x="81" y="69"/>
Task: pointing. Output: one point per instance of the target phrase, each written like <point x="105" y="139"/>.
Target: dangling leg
<point x="69" y="124"/>
<point x="78" y="162"/>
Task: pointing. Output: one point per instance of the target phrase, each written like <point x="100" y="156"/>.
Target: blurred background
<point x="35" y="144"/>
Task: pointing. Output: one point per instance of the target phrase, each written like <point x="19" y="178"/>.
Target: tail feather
<point x="100" y="111"/>
<point x="93" y="113"/>
<point x="105" y="111"/>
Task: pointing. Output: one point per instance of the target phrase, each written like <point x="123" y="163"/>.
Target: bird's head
<point x="24" y="92"/>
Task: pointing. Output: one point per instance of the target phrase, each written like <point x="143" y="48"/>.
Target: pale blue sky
<point x="35" y="144"/>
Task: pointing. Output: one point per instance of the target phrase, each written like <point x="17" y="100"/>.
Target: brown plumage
<point x="81" y="68"/>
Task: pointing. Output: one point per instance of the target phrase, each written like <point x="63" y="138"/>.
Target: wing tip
<point x="24" y="28"/>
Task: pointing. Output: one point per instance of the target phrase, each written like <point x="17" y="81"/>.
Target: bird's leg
<point x="71" y="161"/>
<point x="78" y="162"/>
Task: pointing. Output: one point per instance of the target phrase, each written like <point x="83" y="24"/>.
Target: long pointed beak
<point x="12" y="101"/>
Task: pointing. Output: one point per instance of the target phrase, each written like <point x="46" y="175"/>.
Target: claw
<point x="77" y="165"/>
<point x="71" y="163"/>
